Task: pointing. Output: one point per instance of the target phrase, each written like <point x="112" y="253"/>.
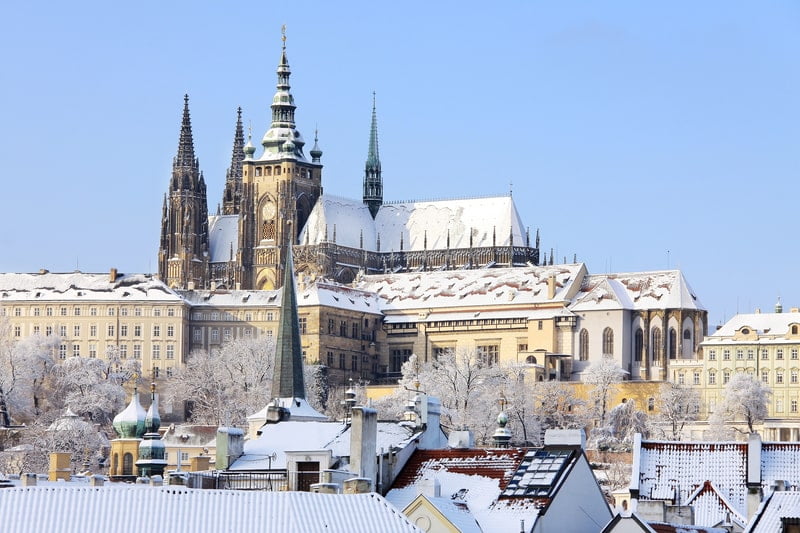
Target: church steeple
<point x="373" y="183"/>
<point x="183" y="254"/>
<point x="287" y="381"/>
<point x="232" y="196"/>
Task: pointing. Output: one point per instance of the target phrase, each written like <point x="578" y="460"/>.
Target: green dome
<point x="129" y="424"/>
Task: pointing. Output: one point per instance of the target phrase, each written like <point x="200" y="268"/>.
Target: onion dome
<point x="129" y="424"/>
<point x="249" y="149"/>
<point x="152" y="420"/>
<point x="316" y="153"/>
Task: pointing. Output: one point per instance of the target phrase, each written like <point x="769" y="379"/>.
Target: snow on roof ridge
<point x="451" y="199"/>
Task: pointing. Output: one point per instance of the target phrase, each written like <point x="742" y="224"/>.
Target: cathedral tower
<point x="183" y="253"/>
<point x="232" y="196"/>
<point x="373" y="183"/>
<point x="279" y="188"/>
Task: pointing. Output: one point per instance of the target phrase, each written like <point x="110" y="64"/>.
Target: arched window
<point x="608" y="341"/>
<point x="583" y="345"/>
<point x="673" y="342"/>
<point x="638" y="344"/>
<point x="658" y="346"/>
<point x="127" y="464"/>
<point x="687" y="335"/>
<point x="530" y="360"/>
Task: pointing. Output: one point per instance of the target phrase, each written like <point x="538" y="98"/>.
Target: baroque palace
<point x="377" y="281"/>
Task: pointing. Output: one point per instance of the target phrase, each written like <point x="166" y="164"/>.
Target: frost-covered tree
<point x="558" y="407"/>
<point x="603" y="375"/>
<point x="744" y="399"/>
<point x="524" y="412"/>
<point x="468" y="386"/>
<point x="680" y="405"/>
<point x="624" y="421"/>
<point x="24" y="368"/>
<point x="226" y="385"/>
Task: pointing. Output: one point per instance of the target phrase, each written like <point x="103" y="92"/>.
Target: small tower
<point x="151" y="450"/>
<point x="502" y="435"/>
<point x="129" y="425"/>
<point x="778" y="306"/>
<point x="373" y="183"/>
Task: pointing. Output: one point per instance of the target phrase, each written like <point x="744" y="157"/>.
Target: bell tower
<point x="279" y="189"/>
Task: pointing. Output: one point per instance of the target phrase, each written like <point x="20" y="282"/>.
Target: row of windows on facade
<point x="277" y="169"/>
<point x="155" y="350"/>
<point x="487" y="354"/>
<point x="780" y="376"/>
<point x="227" y="334"/>
<point x="638" y="341"/>
<point x="351" y="329"/>
<point x="111" y="329"/>
<point x="331" y="361"/>
<point x="750" y="354"/>
<point x="778" y="405"/>
<point x="225" y="316"/>
<point x="93" y="311"/>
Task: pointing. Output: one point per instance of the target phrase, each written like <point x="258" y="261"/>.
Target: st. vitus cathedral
<point x="275" y="199"/>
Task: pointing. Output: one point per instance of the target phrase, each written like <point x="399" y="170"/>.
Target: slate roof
<point x="135" y="508"/>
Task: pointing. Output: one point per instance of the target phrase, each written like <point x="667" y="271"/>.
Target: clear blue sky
<point x="637" y="136"/>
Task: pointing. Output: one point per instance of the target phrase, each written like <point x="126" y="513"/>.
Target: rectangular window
<point x="76" y="331"/>
<point x="17" y="311"/>
<point x="110" y="311"/>
<point x="750" y="354"/>
<point x="62" y="331"/>
<point x="156" y="351"/>
<point x="488" y="354"/>
<point x="62" y="351"/>
<point x="726" y="377"/>
<point x="197" y="334"/>
<point x="76" y="311"/>
<point x="270" y="319"/>
<point x="793" y="377"/>
<point x="794" y="353"/>
<point x="341" y="361"/>
<point x="681" y="380"/>
<point x="398" y="356"/>
<point x="137" y="311"/>
<point x="63" y="311"/>
<point x="170" y="351"/>
<point x="226" y="334"/>
<point x="35" y="311"/>
<point x="137" y="331"/>
<point x="303" y="324"/>
<point x="137" y="351"/>
<point x="93" y="351"/>
<point x="779" y="353"/>
<point x="215" y="316"/>
<point x="343" y="329"/>
<point x="17" y="331"/>
<point x="110" y="330"/>
<point x="778" y="405"/>
<point x="712" y="355"/>
<point x="794" y="406"/>
<point x="331" y="326"/>
<point x="248" y="317"/>
<point x="170" y="331"/>
<point x="696" y="378"/>
<point x="726" y="355"/>
<point x="76" y="350"/>
<point x="330" y="359"/>
<point x="215" y="335"/>
<point x="169" y="371"/>
<point x="156" y="311"/>
<point x="170" y="311"/>
<point x="123" y="311"/>
<point x="248" y="332"/>
<point x="123" y="330"/>
<point x="35" y="330"/>
<point x="156" y="330"/>
<point x="712" y="378"/>
<point x="764" y="354"/>
<point x="123" y="351"/>
<point x="156" y="372"/>
<point x="92" y="311"/>
<point x="354" y="363"/>
<point x="354" y="330"/>
<point x="541" y="324"/>
<point x="739" y="354"/>
<point x="49" y="311"/>
<point x="779" y="377"/>
<point x="48" y="330"/>
<point x="93" y="330"/>
<point x="765" y="376"/>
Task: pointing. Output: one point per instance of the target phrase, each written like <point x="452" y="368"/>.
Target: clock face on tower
<point x="269" y="210"/>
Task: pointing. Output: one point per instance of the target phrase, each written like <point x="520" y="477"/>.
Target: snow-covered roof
<point x="223" y="237"/>
<point x="778" y="505"/>
<point x="339" y="296"/>
<point x="762" y="323"/>
<point x="478" y="287"/>
<point x="80" y="286"/>
<point x="490" y="221"/>
<point x="678" y="470"/>
<point x="665" y="289"/>
<point x="226" y="298"/>
<point x="456" y="512"/>
<point x="134" y="508"/>
<point x="712" y="506"/>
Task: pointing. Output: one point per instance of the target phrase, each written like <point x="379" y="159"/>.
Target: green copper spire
<point x="287" y="380"/>
<point x="373" y="183"/>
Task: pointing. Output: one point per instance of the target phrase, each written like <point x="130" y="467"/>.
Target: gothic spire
<point x="232" y="195"/>
<point x="287" y="381"/>
<point x="373" y="183"/>
<point x="185" y="157"/>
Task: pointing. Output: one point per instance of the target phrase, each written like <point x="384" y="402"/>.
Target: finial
<point x="283" y="35"/>
<point x="186" y="98"/>
<point x="511" y="188"/>
<point x="373" y="100"/>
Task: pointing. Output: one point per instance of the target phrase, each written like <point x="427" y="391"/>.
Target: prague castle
<point x="274" y="199"/>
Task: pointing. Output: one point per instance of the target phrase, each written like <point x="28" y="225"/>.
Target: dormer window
<point x="794" y="329"/>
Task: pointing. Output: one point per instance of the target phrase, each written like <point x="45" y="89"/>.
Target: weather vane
<point x="283" y="34"/>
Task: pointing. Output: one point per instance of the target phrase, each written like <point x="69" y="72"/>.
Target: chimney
<point x="357" y="485"/>
<point x="794" y="310"/>
<point x="190" y="286"/>
<point x="754" y="491"/>
<point x="565" y="437"/>
<point x="363" y="441"/>
<point x="429" y="488"/>
<point x="551" y="286"/>
<point x="112" y="275"/>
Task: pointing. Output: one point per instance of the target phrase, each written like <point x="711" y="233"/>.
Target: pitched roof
<point x="134" y="508"/>
<point x="498" y="464"/>
<point x="83" y="287"/>
<point x="223" y="237"/>
<point x="763" y="323"/>
<point x="661" y="289"/>
<point x="777" y="506"/>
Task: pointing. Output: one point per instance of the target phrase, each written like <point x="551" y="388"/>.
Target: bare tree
<point x="604" y="375"/>
<point x="745" y="398"/>
<point x="680" y="405"/>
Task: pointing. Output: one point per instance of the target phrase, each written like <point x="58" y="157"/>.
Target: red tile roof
<point x="497" y="464"/>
